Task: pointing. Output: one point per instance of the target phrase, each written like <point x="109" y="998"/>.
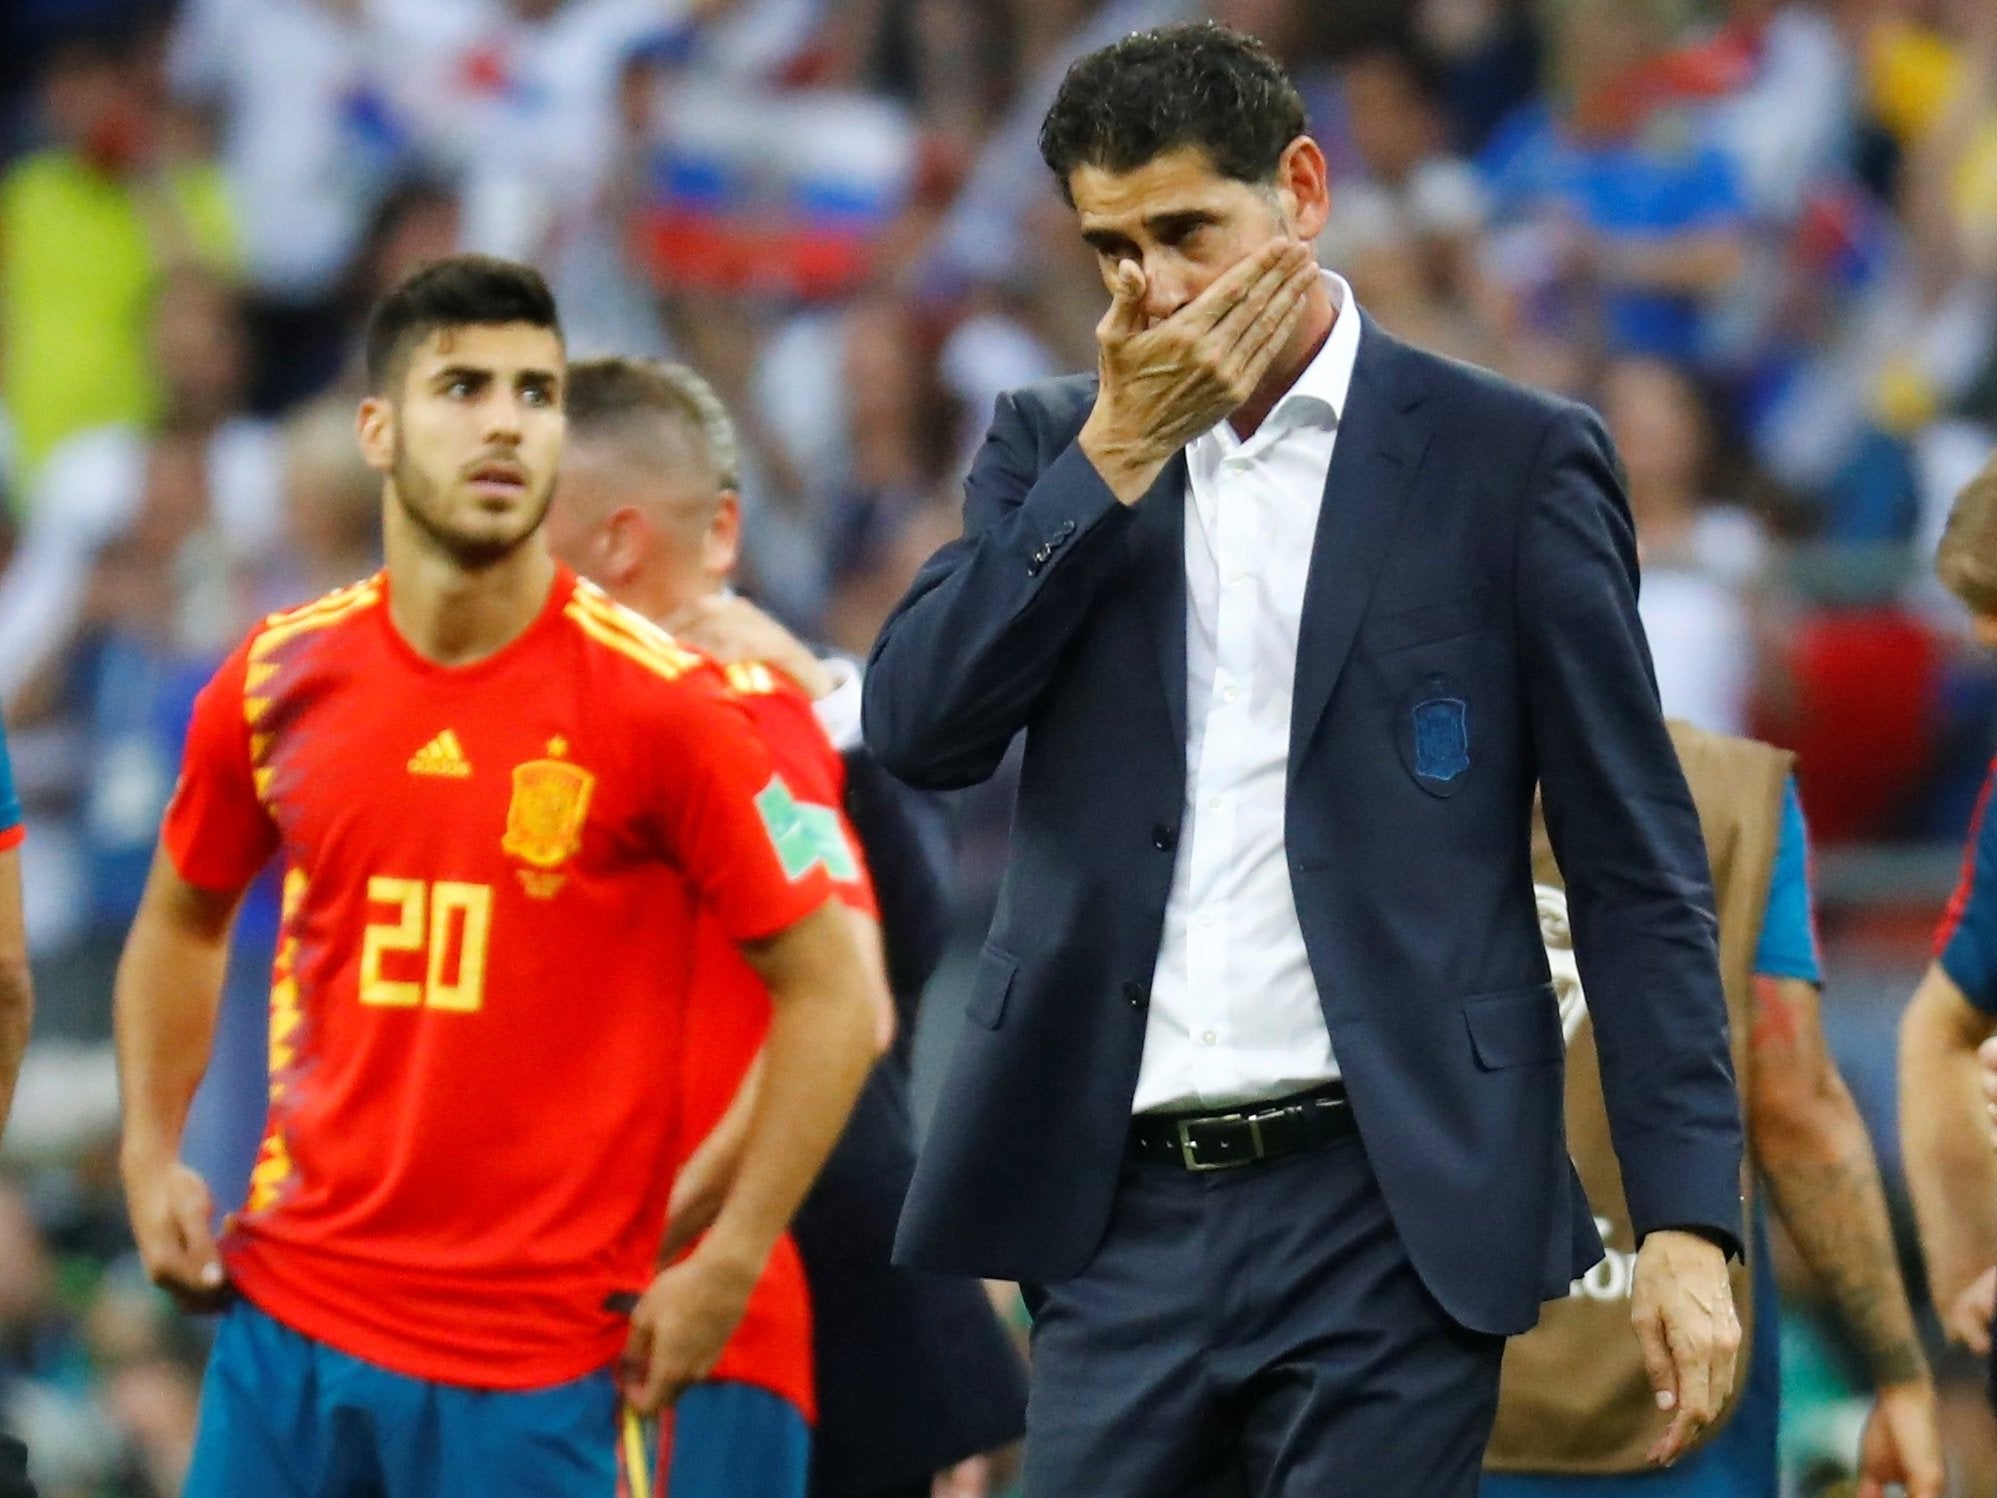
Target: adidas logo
<point x="441" y="756"/>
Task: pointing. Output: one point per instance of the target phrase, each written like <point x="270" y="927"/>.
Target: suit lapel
<point x="1158" y="547"/>
<point x="1381" y="438"/>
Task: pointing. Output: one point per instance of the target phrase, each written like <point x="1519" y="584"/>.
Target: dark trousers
<point x="1255" y="1332"/>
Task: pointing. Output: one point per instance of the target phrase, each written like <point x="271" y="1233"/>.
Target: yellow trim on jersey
<point x="630" y="635"/>
<point x="751" y="679"/>
<point x="327" y="611"/>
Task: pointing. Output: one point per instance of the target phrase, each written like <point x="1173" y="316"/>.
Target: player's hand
<point x="732" y="629"/>
<point x="679" y="1327"/>
<point x="1986" y="1067"/>
<point x="1968" y="1317"/>
<point x="1682" y="1307"/>
<point x="970" y="1478"/>
<point x="1902" y="1443"/>
<point x="171" y="1210"/>
<point x="1164" y="385"/>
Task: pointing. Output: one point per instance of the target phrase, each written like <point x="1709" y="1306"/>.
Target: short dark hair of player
<point x="619" y="397"/>
<point x="459" y="291"/>
<point x="1199" y="85"/>
<point x="1966" y="559"/>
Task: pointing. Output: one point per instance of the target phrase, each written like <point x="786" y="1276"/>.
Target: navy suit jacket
<point x="1469" y="630"/>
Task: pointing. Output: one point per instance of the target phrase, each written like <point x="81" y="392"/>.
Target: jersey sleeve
<point x="730" y="821"/>
<point x="1787" y="947"/>
<point x="217" y="832"/>
<point x="802" y="753"/>
<point x="1966" y="943"/>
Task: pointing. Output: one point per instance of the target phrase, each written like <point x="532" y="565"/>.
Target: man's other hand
<point x="732" y="629"/>
<point x="171" y="1210"/>
<point x="1902" y="1443"/>
<point x="679" y="1328"/>
<point x="1682" y="1307"/>
<point x="1967" y="1318"/>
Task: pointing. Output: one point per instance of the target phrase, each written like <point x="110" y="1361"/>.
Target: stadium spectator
<point x="119" y="194"/>
<point x="1699" y="558"/>
<point x="197" y="465"/>
<point x="1622" y="226"/>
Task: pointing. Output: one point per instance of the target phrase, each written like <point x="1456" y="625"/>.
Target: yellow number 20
<point x="454" y="909"/>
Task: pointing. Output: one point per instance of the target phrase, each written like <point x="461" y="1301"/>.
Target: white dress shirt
<point x="1234" y="1011"/>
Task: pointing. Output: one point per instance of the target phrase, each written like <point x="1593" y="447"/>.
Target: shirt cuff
<point x="839" y="709"/>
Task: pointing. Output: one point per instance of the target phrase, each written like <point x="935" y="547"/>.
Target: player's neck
<point x="456" y="617"/>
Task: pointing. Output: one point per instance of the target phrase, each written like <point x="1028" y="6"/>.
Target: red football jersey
<point x="731" y="1017"/>
<point x="492" y="877"/>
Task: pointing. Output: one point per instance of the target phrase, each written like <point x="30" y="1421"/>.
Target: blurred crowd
<point x="1760" y="236"/>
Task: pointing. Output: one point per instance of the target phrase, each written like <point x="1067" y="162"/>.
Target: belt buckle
<point x="1189" y="1146"/>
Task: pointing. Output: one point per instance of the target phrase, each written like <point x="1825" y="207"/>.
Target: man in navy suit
<point x="1259" y="1093"/>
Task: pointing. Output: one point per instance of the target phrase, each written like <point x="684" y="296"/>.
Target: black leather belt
<point x="1241" y="1136"/>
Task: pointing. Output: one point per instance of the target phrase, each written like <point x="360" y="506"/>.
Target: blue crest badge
<point x="1442" y="738"/>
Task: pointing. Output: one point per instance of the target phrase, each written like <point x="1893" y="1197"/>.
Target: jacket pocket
<point x="1430" y="624"/>
<point x="991" y="984"/>
<point x="1515" y="1028"/>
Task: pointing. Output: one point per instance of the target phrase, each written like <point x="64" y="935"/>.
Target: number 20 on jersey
<point x="449" y="922"/>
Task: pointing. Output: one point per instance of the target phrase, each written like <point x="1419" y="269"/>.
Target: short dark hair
<point x="1199" y="84"/>
<point x="612" y="394"/>
<point x="1966" y="559"/>
<point x="456" y="292"/>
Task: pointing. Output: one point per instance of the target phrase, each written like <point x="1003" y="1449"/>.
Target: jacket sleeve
<point x="1627" y="837"/>
<point x="964" y="657"/>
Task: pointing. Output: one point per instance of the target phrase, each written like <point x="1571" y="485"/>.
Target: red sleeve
<point x="812" y="768"/>
<point x="731" y="822"/>
<point x="216" y="831"/>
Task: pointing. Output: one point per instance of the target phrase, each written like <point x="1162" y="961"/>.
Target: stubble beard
<point x="416" y="494"/>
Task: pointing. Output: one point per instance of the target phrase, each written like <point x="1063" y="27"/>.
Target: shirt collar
<point x="1327" y="379"/>
<point x="1322" y="387"/>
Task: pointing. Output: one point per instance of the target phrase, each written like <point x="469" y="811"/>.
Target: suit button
<point x="1162" y="839"/>
<point x="1136" y="994"/>
<point x="1067" y="527"/>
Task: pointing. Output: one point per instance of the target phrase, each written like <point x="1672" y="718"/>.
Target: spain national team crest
<point x="545" y="817"/>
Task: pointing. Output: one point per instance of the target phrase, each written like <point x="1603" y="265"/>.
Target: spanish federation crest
<point x="550" y="799"/>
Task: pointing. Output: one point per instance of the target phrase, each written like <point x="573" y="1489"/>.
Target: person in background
<point x="1562" y="1437"/>
<point x="1619" y="225"/>
<point x="17" y="1012"/>
<point x="910" y="1374"/>
<point x="200" y="466"/>
<point x="88" y="224"/>
<point x="1952" y="1017"/>
<point x="1698" y="558"/>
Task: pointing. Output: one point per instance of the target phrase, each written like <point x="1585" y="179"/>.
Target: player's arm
<point x="17" y="993"/>
<point x="822" y="1042"/>
<point x="708" y="1175"/>
<point x="761" y="856"/>
<point x="1951" y="1171"/>
<point x="168" y="991"/>
<point x="1813" y="1150"/>
<point x="1812" y="1147"/>
<point x="216" y="836"/>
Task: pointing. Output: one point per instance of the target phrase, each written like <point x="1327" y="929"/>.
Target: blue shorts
<point x="283" y="1416"/>
<point x="737" y="1441"/>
